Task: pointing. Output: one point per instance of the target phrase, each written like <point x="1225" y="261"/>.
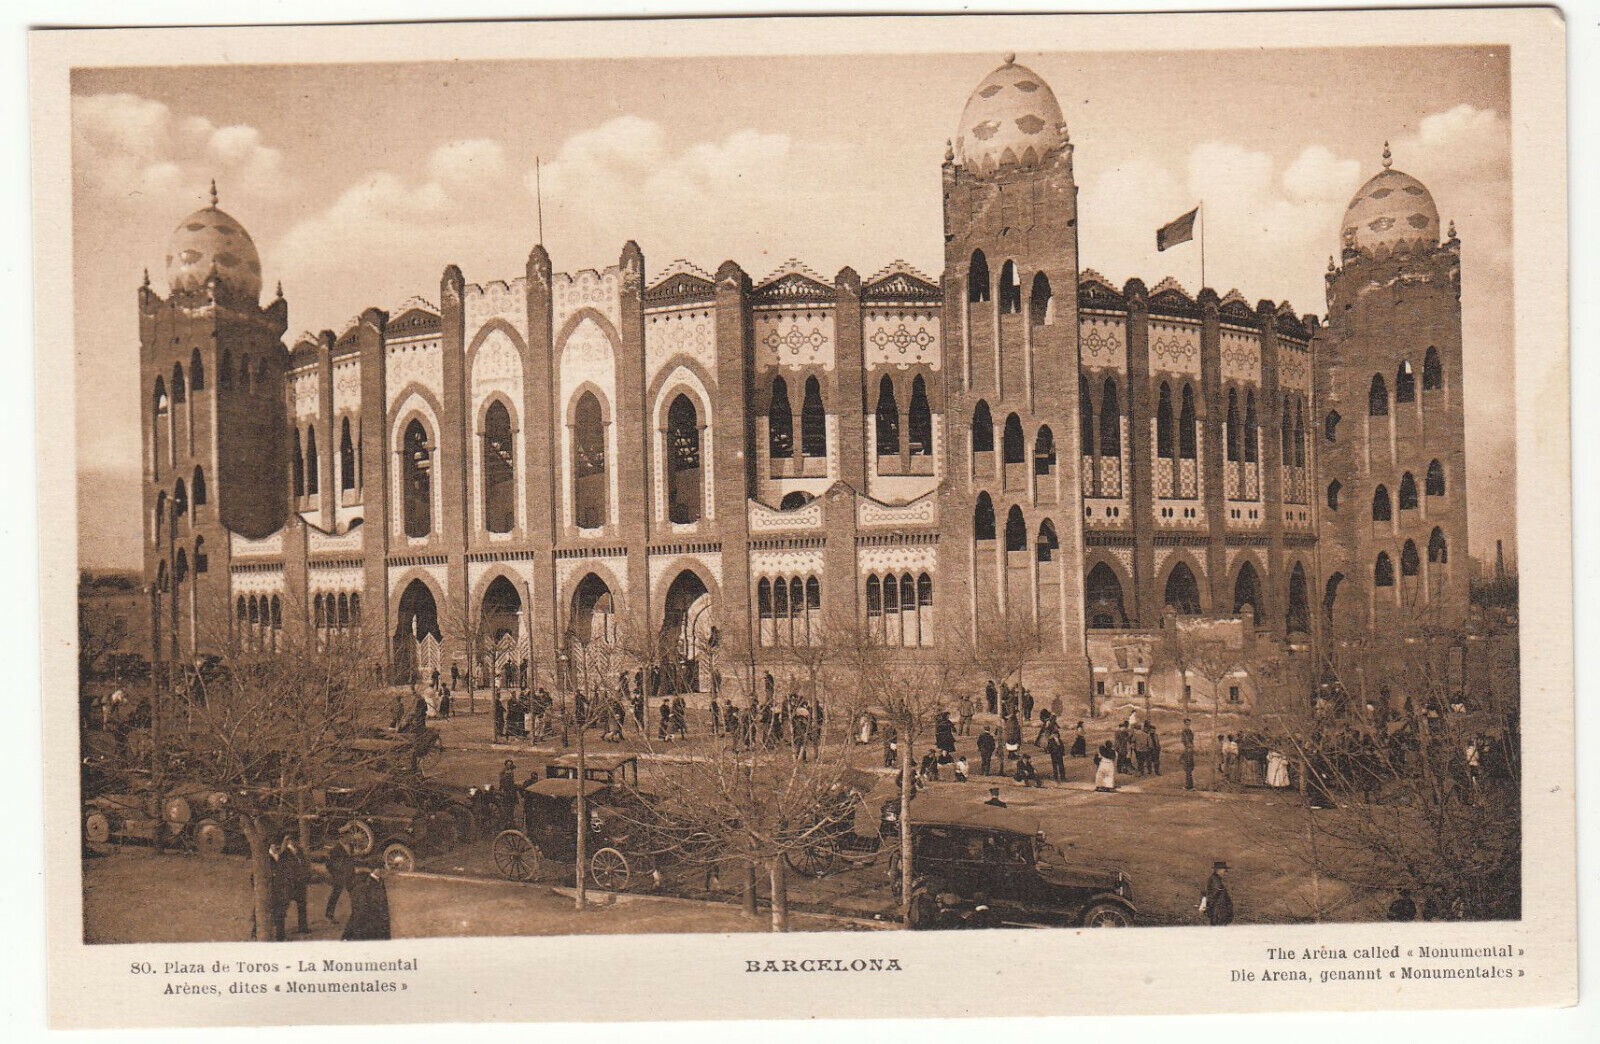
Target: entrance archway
<point x="1182" y="591"/>
<point x="500" y="628"/>
<point x="1247" y="592"/>
<point x="687" y="631"/>
<point x="416" y="623"/>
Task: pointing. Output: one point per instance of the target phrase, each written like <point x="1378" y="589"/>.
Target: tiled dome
<point x="1011" y="120"/>
<point x="1390" y="209"/>
<point x="211" y="237"/>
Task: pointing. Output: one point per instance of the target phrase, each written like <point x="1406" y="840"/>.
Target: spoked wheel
<point x="1107" y="915"/>
<point x="608" y="869"/>
<point x="97" y="828"/>
<point x="398" y="857"/>
<point x="816" y="859"/>
<point x="515" y="857"/>
<point x="358" y="834"/>
<point x="210" y="839"/>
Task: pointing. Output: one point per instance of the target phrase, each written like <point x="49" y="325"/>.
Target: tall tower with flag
<point x="1011" y="540"/>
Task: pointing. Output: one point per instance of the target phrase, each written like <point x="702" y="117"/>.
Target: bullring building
<point x="557" y="456"/>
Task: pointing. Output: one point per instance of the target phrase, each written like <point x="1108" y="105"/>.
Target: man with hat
<point x="995" y="798"/>
<point x="1217" y="904"/>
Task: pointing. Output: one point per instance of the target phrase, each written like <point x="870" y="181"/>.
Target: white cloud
<point x="127" y="146"/>
<point x="1318" y="176"/>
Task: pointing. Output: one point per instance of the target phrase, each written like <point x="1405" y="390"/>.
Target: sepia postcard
<point x="703" y="510"/>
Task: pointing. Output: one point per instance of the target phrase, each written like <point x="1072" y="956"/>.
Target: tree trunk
<point x="260" y="878"/>
<point x="905" y="826"/>
<point x="751" y="903"/>
<point x="583" y="822"/>
<point x="780" y="894"/>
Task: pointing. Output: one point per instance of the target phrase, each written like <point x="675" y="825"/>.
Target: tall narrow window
<point x="982" y="429"/>
<point x="180" y="500"/>
<point x="1435" y="479"/>
<point x="1235" y="436"/>
<point x="1045" y="547"/>
<point x="978" y="278"/>
<point x="1408" y="492"/>
<point x="1041" y="310"/>
<point x="225" y="370"/>
<point x="499" y="470"/>
<point x="1014" y="446"/>
<point x="1166" y="444"/>
<point x="1252" y="429"/>
<point x="1410" y="561"/>
<point x="197" y="374"/>
<point x="313" y="462"/>
<point x="983" y="518"/>
<point x="589" y="491"/>
<point x="202" y="561"/>
<point x="197" y="488"/>
<point x="1286" y="430"/>
<point x="1377" y="397"/>
<point x="179" y="393"/>
<point x="1438" y="550"/>
<point x="1188" y="443"/>
<point x="158" y="399"/>
<point x="919" y="422"/>
<point x="1085" y="417"/>
<point x="1016" y="530"/>
<point x="297" y="464"/>
<point x="244" y="374"/>
<point x="764" y="610"/>
<point x="1299" y="433"/>
<point x="874" y="603"/>
<point x="683" y="462"/>
<point x="1333" y="494"/>
<point x="1380" y="505"/>
<point x="161" y="514"/>
<point x="886" y="425"/>
<point x="1432" y="372"/>
<point x="1010" y="289"/>
<point x="780" y="422"/>
<point x="1110" y="421"/>
<point x="1405" y="383"/>
<point x="1330" y="426"/>
<point x="1044" y="451"/>
<point x="347" y="457"/>
<point x="813" y="421"/>
<point x="1299" y="614"/>
<point x="416" y="481"/>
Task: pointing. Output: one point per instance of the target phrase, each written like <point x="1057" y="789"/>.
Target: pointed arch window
<point x="1435" y="480"/>
<point x="1016" y="530"/>
<point x="225" y="370"/>
<point x="1183" y="591"/>
<point x="1010" y="289"/>
<point x="1235" y="436"/>
<point x="180" y="500"/>
<point x="1188" y="441"/>
<point x="683" y="462"/>
<point x="499" y="469"/>
<point x="297" y="464"/>
<point x="1103" y="598"/>
<point x="1333" y="495"/>
<point x="780" y="422"/>
<point x="813" y="421"/>
<point x="158" y="398"/>
<point x="1252" y="429"/>
<point x="347" y="457"/>
<point x="1286" y="430"/>
<point x="344" y="610"/>
<point x="313" y="462"/>
<point x="1408" y="492"/>
<point x="1410" y="561"/>
<point x="1438" y="549"/>
<point x="1110" y="421"/>
<point x="982" y="429"/>
<point x="589" y="491"/>
<point x="1013" y="444"/>
<point x="1086" y="427"/>
<point x="197" y="488"/>
<point x="1383" y="571"/>
<point x="1044" y="451"/>
<point x="161" y="514"/>
<point x="1045" y="547"/>
<point x="1380" y="504"/>
<point x="1299" y="614"/>
<point x="197" y="375"/>
<point x="1405" y="383"/>
<point x="978" y="278"/>
<point x="202" y="561"/>
<point x="1041" y="309"/>
<point x="1432" y="371"/>
<point x="1166" y="444"/>
<point x="1377" y="397"/>
<point x="886" y="425"/>
<point x="179" y="389"/>
<point x="983" y="518"/>
<point x="1299" y="433"/>
<point x="919" y="422"/>
<point x="874" y="599"/>
<point x="416" y="480"/>
<point x="1330" y="426"/>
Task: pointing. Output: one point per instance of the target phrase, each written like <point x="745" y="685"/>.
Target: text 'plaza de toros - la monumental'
<point x="555" y="453"/>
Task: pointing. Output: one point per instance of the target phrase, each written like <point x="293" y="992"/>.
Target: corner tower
<point x="1392" y="432"/>
<point x="1010" y="509"/>
<point x="211" y="363"/>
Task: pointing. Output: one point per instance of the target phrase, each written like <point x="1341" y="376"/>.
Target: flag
<point x="1178" y="231"/>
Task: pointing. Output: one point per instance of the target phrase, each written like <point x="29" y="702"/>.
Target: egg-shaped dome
<point x="1011" y="120"/>
<point x="209" y="237"/>
<point x="1390" y="209"/>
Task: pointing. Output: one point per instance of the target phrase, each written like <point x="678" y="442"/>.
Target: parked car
<point x="991" y="866"/>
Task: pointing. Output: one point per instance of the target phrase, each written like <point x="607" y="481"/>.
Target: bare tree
<point x="100" y="632"/>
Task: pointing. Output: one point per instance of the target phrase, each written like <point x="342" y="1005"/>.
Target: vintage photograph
<point x="822" y="493"/>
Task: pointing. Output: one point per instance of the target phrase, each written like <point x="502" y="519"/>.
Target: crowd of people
<point x="290" y="875"/>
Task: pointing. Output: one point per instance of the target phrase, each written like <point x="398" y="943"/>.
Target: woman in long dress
<point x="1080" y="746"/>
<point x="1105" y="768"/>
<point x="1277" y="770"/>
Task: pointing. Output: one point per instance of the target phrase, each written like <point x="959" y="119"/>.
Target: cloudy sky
<point x="360" y="183"/>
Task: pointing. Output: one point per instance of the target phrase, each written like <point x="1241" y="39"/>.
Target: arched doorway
<point x="1103" y="598"/>
<point x="416" y="634"/>
<point x="500" y="629"/>
<point x="1183" y="592"/>
<point x="1298" y="618"/>
<point x="688" y="633"/>
<point x="1247" y="592"/>
<point x="592" y="621"/>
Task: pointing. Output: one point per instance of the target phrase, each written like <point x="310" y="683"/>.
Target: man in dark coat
<point x="986" y="743"/>
<point x="296" y="876"/>
<point x="369" y="908"/>
<point x="990" y="696"/>
<point x="341" y="870"/>
<point x="1058" y="757"/>
<point x="1186" y="759"/>
<point x="944" y="733"/>
<point x="1217" y="904"/>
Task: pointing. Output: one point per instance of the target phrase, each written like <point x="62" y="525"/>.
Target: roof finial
<point x="1330" y="263"/>
<point x="1011" y="58"/>
<point x="213" y="191"/>
<point x="1452" y="232"/>
<point x="280" y="289"/>
<point x="949" y="151"/>
<point x="1387" y="159"/>
<point x="147" y="275"/>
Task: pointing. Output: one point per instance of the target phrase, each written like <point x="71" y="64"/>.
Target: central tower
<point x="1010" y="508"/>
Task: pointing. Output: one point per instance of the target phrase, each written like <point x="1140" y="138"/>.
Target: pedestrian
<point x="397" y="712"/>
<point x="499" y="717"/>
<point x="1141" y="751"/>
<point x="444" y="703"/>
<point x="680" y="717"/>
<point x="961" y="769"/>
<point x="277" y="895"/>
<point x="1011" y="739"/>
<point x="994" y="798"/>
<point x="369" y="907"/>
<point x="341" y="866"/>
<point x="1404" y="908"/>
<point x="1105" y="768"/>
<point x="1120" y="743"/>
<point x="716" y="718"/>
<point x="891" y="746"/>
<point x="455" y="676"/>
<point x="434" y="683"/>
<point x="1026" y="774"/>
<point x="1155" y="747"/>
<point x="944" y="733"/>
<point x="929" y="769"/>
<point x="770" y="683"/>
<point x="1058" y="757"/>
<point x="1027" y="703"/>
<point x="638" y="707"/>
<point x="1080" y="742"/>
<point x="964" y="711"/>
<point x="986" y="745"/>
<point x="989" y="696"/>
<point x="663" y="733"/>
<point x="1187" y="736"/>
<point x="297" y="876"/>
<point x="1186" y="759"/>
<point x="1216" y="904"/>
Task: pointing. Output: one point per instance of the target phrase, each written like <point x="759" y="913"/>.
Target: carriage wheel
<point x="516" y="857"/>
<point x="361" y="838"/>
<point x="97" y="828"/>
<point x="814" y="860"/>
<point x="397" y="856"/>
<point x="210" y="839"/>
<point x="608" y="869"/>
<point x="176" y="811"/>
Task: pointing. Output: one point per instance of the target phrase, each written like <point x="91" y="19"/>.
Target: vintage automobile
<point x="378" y="814"/>
<point x="179" y="814"/>
<point x="832" y="837"/>
<point x="993" y="866"/>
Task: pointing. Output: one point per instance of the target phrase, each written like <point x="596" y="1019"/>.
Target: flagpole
<point x="1202" y="244"/>
<point x="538" y="194"/>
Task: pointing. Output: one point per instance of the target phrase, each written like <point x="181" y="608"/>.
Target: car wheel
<point x="608" y="869"/>
<point x="515" y="857"/>
<point x="815" y="859"/>
<point x="361" y="839"/>
<point x="397" y="856"/>
<point x="210" y="839"/>
<point x="97" y="828"/>
<point x="1107" y="915"/>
